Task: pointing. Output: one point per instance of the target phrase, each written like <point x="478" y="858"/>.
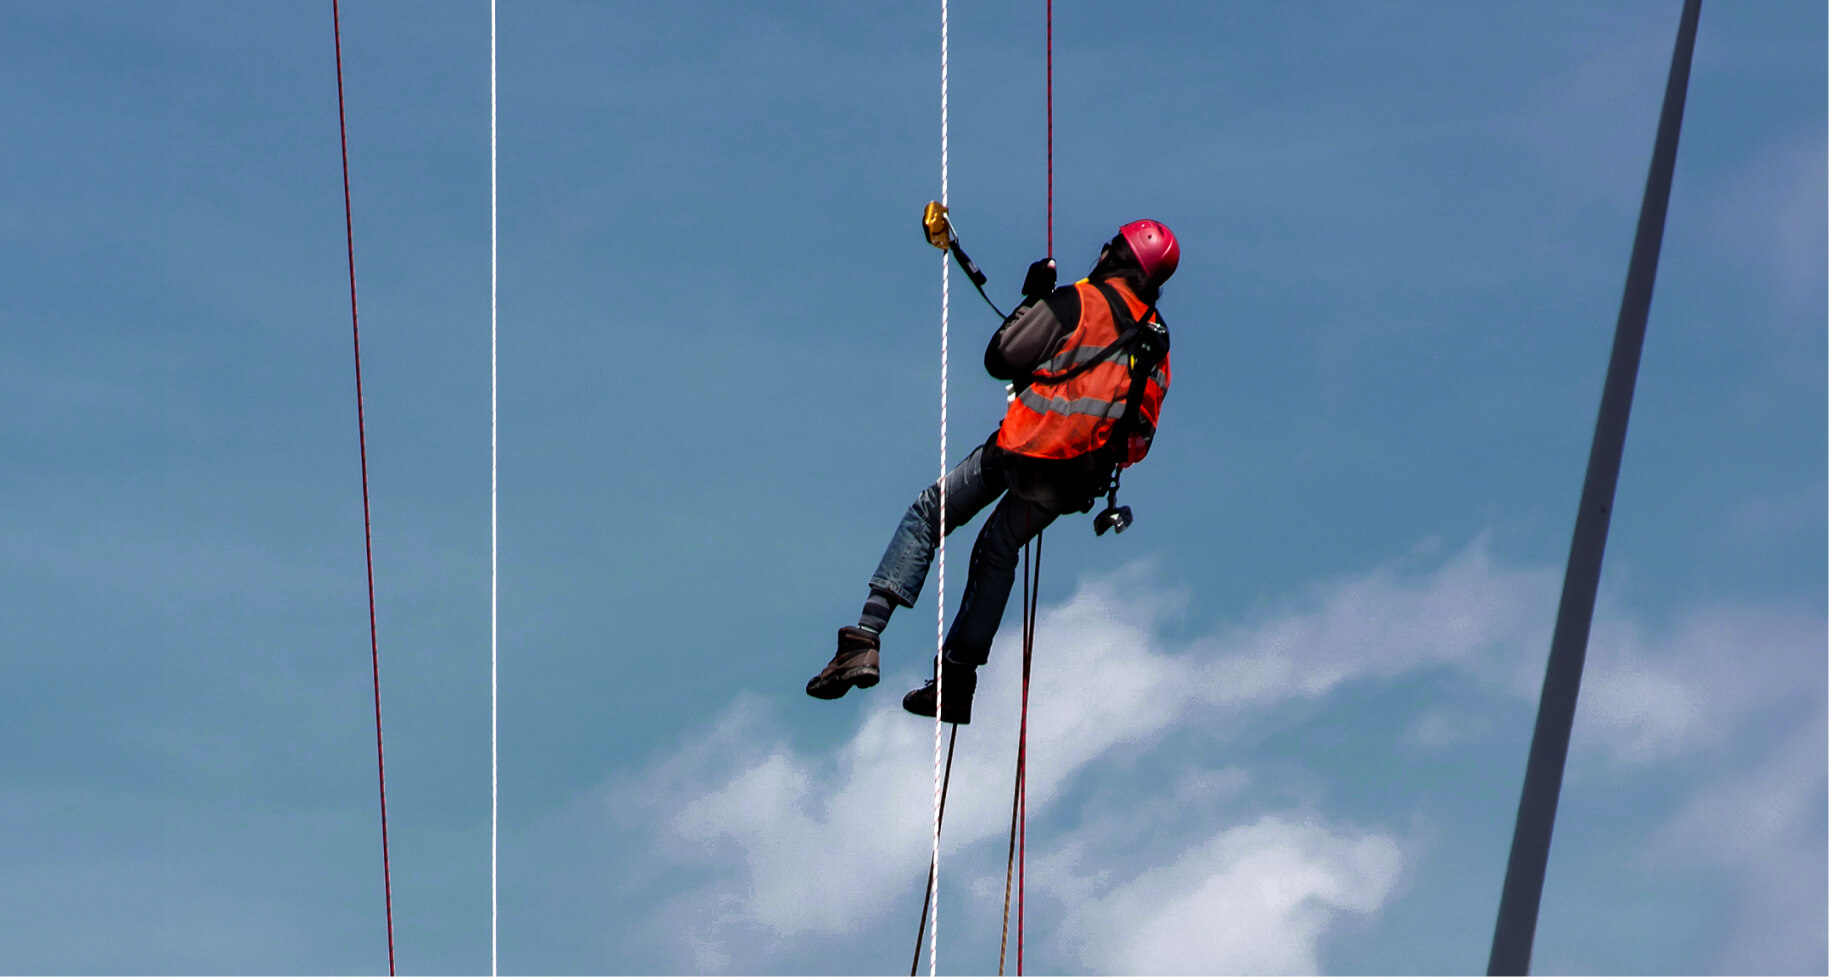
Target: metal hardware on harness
<point x="1153" y="342"/>
<point x="1115" y="517"/>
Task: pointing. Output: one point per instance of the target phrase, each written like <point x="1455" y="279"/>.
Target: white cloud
<point x="1761" y="521"/>
<point x="1472" y="613"/>
<point x="783" y="844"/>
<point x="1774" y="213"/>
<point x="1592" y="127"/>
<point x="747" y="809"/>
<point x="1761" y="825"/>
<point x="1434" y="729"/>
<point x="1644" y="700"/>
<point x="1256" y="898"/>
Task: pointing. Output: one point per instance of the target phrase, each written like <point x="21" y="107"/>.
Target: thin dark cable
<point x="1022" y="838"/>
<point x="987" y="299"/>
<point x="368" y="545"/>
<point x="1050" y="128"/>
<point x="1522" y="896"/>
<point x="1016" y="859"/>
<point x="973" y="273"/>
<point x="945" y="782"/>
<point x="1009" y="865"/>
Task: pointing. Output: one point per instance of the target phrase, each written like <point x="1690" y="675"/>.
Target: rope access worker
<point x="1088" y="365"/>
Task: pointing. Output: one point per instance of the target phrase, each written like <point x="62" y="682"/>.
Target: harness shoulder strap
<point x="1120" y="313"/>
<point x="1127" y="337"/>
<point x="1147" y="342"/>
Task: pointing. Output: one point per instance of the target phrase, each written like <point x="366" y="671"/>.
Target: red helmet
<point x="1155" y="247"/>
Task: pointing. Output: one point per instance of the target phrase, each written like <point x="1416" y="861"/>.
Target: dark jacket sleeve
<point x="1032" y="334"/>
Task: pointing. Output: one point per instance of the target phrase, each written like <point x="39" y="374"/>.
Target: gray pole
<point x="1530" y="845"/>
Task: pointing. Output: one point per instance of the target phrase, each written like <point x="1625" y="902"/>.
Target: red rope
<point x="1022" y="776"/>
<point x="368" y="544"/>
<point x="1009" y="865"/>
<point x="1019" y="802"/>
<point x="1034" y="589"/>
<point x="1050" y="128"/>
<point x="1031" y="598"/>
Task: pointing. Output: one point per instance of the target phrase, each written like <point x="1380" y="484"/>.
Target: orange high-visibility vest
<point x="1066" y="418"/>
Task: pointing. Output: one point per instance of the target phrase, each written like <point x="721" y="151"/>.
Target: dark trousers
<point x="981" y="479"/>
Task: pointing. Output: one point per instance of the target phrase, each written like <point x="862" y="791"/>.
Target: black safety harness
<point x="1147" y="343"/>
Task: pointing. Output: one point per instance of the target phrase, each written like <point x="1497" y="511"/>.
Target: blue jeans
<point x="973" y="484"/>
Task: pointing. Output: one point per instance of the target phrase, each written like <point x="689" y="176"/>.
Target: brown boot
<point x="856" y="664"/>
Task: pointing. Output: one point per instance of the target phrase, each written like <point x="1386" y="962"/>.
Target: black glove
<point x="1040" y="279"/>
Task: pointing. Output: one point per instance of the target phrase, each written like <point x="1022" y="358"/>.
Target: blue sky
<point x="1280" y="724"/>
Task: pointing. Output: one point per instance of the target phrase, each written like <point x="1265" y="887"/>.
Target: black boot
<point x="961" y="682"/>
<point x="856" y="664"/>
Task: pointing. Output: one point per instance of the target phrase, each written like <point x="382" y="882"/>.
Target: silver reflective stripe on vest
<point x="1093" y="406"/>
<point x="1087" y="354"/>
<point x="1074" y="357"/>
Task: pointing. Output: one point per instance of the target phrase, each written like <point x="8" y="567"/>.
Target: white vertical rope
<point x="933" y="958"/>
<point x="494" y="754"/>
